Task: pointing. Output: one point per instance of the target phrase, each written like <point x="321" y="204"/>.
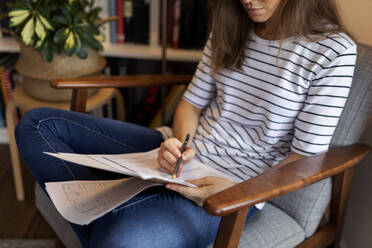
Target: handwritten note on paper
<point x="81" y="202"/>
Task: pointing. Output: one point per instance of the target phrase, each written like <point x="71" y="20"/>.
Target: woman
<point x="269" y="90"/>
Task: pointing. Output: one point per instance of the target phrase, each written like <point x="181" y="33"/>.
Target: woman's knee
<point x="30" y="122"/>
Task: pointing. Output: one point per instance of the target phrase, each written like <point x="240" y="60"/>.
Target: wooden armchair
<point x="233" y="203"/>
<point x="309" y="179"/>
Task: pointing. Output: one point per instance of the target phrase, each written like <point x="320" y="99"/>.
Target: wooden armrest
<point x="120" y="81"/>
<point x="286" y="179"/>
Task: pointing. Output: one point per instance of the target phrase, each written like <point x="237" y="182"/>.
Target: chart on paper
<point x="81" y="202"/>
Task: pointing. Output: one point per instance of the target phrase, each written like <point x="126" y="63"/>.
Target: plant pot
<point x="37" y="72"/>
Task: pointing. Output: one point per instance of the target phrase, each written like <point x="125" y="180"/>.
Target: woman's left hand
<point x="207" y="186"/>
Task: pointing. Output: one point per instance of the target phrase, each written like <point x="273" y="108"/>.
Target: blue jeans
<point x="156" y="217"/>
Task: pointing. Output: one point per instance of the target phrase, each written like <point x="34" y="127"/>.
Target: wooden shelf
<point x="4" y="138"/>
<point x="149" y="52"/>
<point x="133" y="51"/>
<point x="8" y="45"/>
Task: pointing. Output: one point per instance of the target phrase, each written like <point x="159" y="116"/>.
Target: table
<point x="24" y="102"/>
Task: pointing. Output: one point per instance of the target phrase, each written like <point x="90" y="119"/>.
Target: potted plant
<point x="55" y="36"/>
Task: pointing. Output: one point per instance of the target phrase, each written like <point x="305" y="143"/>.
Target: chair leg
<point x="120" y="108"/>
<point x="341" y="189"/>
<point x="334" y="245"/>
<point x="230" y="230"/>
<point x="14" y="154"/>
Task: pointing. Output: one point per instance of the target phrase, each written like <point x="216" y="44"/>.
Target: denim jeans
<point x="156" y="217"/>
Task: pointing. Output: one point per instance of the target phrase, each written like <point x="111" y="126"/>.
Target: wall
<point x="358" y="221"/>
<point x="357" y="16"/>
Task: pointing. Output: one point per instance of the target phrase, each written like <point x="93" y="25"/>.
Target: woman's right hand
<point x="170" y="151"/>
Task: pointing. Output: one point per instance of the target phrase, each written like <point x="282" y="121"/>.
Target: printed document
<point x="81" y="202"/>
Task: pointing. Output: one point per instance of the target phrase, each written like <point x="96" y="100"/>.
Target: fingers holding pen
<point x="187" y="156"/>
<point x="170" y="152"/>
<point x="166" y="161"/>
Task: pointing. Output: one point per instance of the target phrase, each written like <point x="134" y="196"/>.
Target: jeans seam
<point x="90" y="129"/>
<point x="54" y="150"/>
<point x="136" y="202"/>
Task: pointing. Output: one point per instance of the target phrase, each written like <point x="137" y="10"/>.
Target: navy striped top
<point x="285" y="97"/>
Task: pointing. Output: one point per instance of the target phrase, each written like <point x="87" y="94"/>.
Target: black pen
<point x="184" y="146"/>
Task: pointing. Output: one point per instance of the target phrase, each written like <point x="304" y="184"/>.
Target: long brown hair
<point x="230" y="26"/>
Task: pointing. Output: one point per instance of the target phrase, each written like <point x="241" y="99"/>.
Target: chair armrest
<point x="286" y="179"/>
<point x="121" y="81"/>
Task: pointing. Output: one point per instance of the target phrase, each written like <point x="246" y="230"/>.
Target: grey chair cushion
<point x="55" y="220"/>
<point x="358" y="107"/>
<point x="307" y="205"/>
<point x="271" y="228"/>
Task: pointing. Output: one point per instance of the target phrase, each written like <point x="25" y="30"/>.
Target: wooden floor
<point x="19" y="219"/>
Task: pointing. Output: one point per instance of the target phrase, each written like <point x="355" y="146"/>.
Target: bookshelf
<point x="132" y="51"/>
<point x="4" y="138"/>
<point x="8" y="45"/>
<point x="151" y="51"/>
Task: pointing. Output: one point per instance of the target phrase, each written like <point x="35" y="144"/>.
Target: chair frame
<point x="233" y="203"/>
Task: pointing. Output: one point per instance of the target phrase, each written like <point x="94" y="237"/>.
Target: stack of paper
<point x="81" y="202"/>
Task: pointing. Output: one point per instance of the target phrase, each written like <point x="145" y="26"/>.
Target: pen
<point x="184" y="146"/>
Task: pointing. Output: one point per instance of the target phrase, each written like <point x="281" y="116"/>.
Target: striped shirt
<point x="286" y="97"/>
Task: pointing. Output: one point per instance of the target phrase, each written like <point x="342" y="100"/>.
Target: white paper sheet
<point x="81" y="202"/>
<point x="143" y="165"/>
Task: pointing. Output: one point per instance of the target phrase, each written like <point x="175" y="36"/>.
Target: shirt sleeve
<point x="327" y="95"/>
<point x="202" y="88"/>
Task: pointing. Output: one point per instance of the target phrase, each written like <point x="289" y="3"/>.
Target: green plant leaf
<point x="39" y="45"/>
<point x="70" y="44"/>
<point x="89" y="28"/>
<point x="18" y="20"/>
<point x="25" y="4"/>
<point x="28" y="31"/>
<point x="18" y="12"/>
<point x="13" y="6"/>
<point x="47" y="51"/>
<point x="40" y="30"/>
<point x="61" y="35"/>
<point x="56" y="48"/>
<point x="45" y="22"/>
<point x="92" y="42"/>
<point x="60" y="19"/>
<point x="81" y="48"/>
<point x="66" y="14"/>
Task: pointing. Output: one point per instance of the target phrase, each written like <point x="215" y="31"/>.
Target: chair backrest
<point x="308" y="205"/>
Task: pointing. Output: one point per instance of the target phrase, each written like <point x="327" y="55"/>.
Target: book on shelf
<point x="5" y="84"/>
<point x="137" y="21"/>
<point x="112" y="12"/>
<point x="2" y="113"/>
<point x="170" y="19"/>
<point x="176" y="23"/>
<point x="4" y="139"/>
<point x="6" y="72"/>
<point x="193" y="24"/>
<point x="120" y="28"/>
